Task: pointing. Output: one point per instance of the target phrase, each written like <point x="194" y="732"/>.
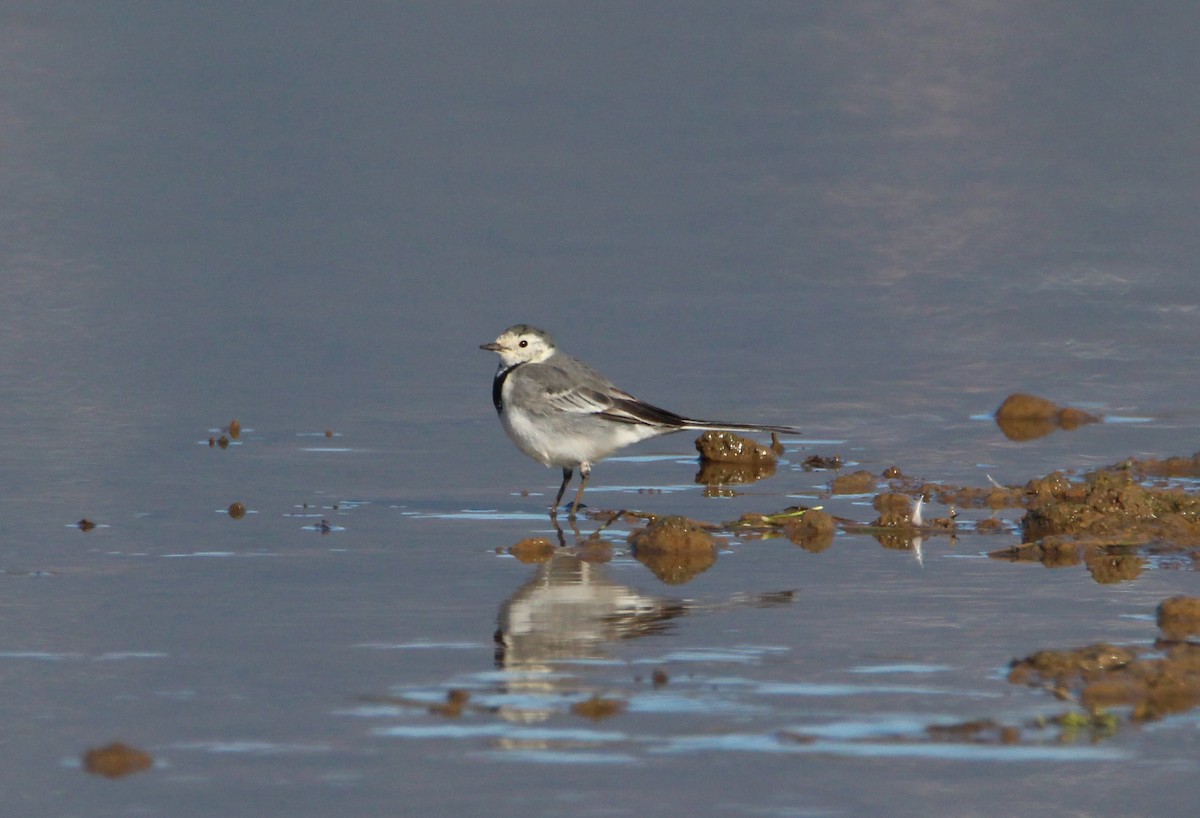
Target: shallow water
<point x="873" y="222"/>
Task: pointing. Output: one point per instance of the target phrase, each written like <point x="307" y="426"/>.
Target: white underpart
<point x="563" y="448"/>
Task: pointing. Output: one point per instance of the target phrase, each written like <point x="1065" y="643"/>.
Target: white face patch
<point x="523" y="347"/>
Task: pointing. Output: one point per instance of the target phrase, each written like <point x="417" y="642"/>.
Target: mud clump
<point x="1152" y="682"/>
<point x="532" y="550"/>
<point x="895" y="510"/>
<point x="859" y="482"/>
<point x="993" y="497"/>
<point x="675" y="549"/>
<point x="597" y="708"/>
<point x="1059" y="668"/>
<point x="1021" y="406"/>
<point x="813" y="531"/>
<point x="1101" y="519"/>
<point x="1027" y="417"/>
<point x="1109" y="504"/>
<point x="1167" y="467"/>
<point x="726" y="447"/>
<point x="452" y="708"/>
<point x="116" y="760"/>
<point x="1179" y="616"/>
<point x="990" y="525"/>
<point x="810" y="528"/>
<point x="816" y="462"/>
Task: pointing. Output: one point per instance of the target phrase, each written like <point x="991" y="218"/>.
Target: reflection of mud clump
<point x="1063" y="552"/>
<point x="1179" y="616"/>
<point x="1108" y="569"/>
<point x="675" y="549"/>
<point x="1027" y="417"/>
<point x="595" y="549"/>
<point x="813" y="531"/>
<point x="532" y="549"/>
<point x="1053" y="552"/>
<point x="859" y="482"/>
<point x="116" y="760"/>
<point x="713" y="473"/>
<point x="982" y="731"/>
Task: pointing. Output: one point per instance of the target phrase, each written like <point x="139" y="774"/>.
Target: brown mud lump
<point x="116" y="760"/>
<point x="597" y="708"/>
<point x="1109" y="503"/>
<point x="1168" y="467"/>
<point x="452" y="707"/>
<point x="813" y="531"/>
<point x="859" y="482"/>
<point x="1154" y="682"/>
<point x="1027" y="417"/>
<point x="894" y="509"/>
<point x="1179" y="616"/>
<point x="816" y="462"/>
<point x="726" y="447"/>
<point x="675" y="549"/>
<point x="1061" y="667"/>
<point x="532" y="549"/>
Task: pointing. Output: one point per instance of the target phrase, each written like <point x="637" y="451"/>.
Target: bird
<point x="561" y="412"/>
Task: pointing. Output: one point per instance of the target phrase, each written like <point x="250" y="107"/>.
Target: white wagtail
<point x="561" y="412"/>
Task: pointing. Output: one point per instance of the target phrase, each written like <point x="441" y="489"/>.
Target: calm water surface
<point x="871" y="220"/>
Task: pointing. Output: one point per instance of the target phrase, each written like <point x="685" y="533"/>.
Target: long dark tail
<point x="716" y="425"/>
<point x="636" y="411"/>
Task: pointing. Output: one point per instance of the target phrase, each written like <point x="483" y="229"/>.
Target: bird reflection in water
<point x="571" y="610"/>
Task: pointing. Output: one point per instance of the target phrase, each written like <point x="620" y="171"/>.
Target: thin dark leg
<point x="585" y="471"/>
<point x="567" y="474"/>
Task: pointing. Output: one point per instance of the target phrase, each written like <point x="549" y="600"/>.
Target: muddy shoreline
<point x="1110" y="520"/>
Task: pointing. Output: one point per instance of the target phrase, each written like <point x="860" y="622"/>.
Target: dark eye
<point x="523" y="343"/>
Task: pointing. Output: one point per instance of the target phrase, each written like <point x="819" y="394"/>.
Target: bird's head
<point x="522" y="344"/>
